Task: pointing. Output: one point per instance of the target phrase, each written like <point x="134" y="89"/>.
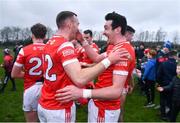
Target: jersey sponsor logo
<point x="122" y="63"/>
<point x="68" y="52"/>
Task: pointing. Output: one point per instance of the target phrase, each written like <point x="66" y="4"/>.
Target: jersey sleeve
<point x="123" y="66"/>
<point x="66" y="53"/>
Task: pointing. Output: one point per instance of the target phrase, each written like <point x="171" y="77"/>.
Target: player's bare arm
<point x="17" y="72"/>
<point x="81" y="76"/>
<point x="72" y="92"/>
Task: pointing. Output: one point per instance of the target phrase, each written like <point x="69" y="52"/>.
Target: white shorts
<point x="109" y="115"/>
<point x="60" y="116"/>
<point x="31" y="97"/>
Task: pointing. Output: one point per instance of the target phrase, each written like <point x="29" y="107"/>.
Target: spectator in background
<point x="158" y="48"/>
<point x="16" y="50"/>
<point x="175" y="87"/>
<point x="140" y="53"/>
<point x="7" y="65"/>
<point x="149" y="78"/>
<point x="165" y="74"/>
<point x="141" y="68"/>
<point x="162" y="56"/>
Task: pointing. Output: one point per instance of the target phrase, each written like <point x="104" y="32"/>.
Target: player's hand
<point x="79" y="36"/>
<point x="118" y="55"/>
<point x="160" y="89"/>
<point x="68" y="93"/>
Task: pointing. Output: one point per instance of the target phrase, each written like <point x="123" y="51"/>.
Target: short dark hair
<point x="62" y="16"/>
<point x="130" y="29"/>
<point x="117" y="20"/>
<point x="39" y="30"/>
<point x="88" y="32"/>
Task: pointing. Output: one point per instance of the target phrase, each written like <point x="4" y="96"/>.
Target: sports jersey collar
<point x="57" y="36"/>
<point x="60" y="36"/>
<point x="122" y="42"/>
<point x="39" y="43"/>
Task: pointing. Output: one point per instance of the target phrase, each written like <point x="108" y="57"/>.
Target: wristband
<point x="85" y="43"/>
<point x="87" y="93"/>
<point x="106" y="63"/>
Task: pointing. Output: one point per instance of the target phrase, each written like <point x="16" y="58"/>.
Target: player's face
<point x="87" y="37"/>
<point x="74" y="27"/>
<point x="108" y="32"/>
<point x="129" y="36"/>
<point x="178" y="70"/>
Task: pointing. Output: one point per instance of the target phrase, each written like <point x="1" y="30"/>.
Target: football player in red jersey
<point x="129" y="85"/>
<point x="28" y="66"/>
<point x="105" y="103"/>
<point x="87" y="35"/>
<point x="62" y="68"/>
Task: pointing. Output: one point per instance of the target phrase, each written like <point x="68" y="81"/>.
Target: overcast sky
<point x="141" y="14"/>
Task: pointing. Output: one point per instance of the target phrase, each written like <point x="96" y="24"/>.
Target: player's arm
<point x="107" y="93"/>
<point x="81" y="76"/>
<point x="111" y="92"/>
<point x="84" y="64"/>
<point x="92" y="54"/>
<point x="17" y="71"/>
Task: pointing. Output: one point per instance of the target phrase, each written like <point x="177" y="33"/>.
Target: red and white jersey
<point x="79" y="51"/>
<point x="86" y="59"/>
<point x="58" y="52"/>
<point x="30" y="57"/>
<point x="123" y="67"/>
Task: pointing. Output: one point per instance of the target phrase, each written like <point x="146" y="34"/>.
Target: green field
<point x="11" y="106"/>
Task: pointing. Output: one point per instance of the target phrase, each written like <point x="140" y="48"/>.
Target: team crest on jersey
<point x="68" y="52"/>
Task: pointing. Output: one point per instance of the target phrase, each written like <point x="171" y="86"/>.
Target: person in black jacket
<point x="175" y="87"/>
<point x="165" y="74"/>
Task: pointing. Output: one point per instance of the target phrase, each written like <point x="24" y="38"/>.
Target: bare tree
<point x="25" y="33"/>
<point x="175" y="38"/>
<point x="15" y="33"/>
<point x="160" y="35"/>
<point x="6" y="33"/>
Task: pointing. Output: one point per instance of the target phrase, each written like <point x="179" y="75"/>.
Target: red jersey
<point x="8" y="63"/>
<point x="86" y="59"/>
<point x="30" y="57"/>
<point x="58" y="52"/>
<point x="124" y="67"/>
<point x="80" y="51"/>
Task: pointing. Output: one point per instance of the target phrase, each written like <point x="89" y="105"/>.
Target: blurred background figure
<point x="7" y="65"/>
<point x="16" y="50"/>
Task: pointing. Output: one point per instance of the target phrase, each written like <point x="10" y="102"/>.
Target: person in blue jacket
<point x="149" y="78"/>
